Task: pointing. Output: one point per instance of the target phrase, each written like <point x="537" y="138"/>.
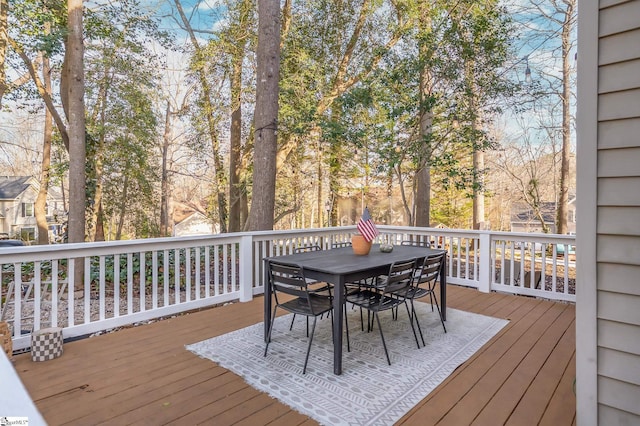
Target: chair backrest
<point x="400" y="276"/>
<point x="341" y="244"/>
<point x="509" y="273"/>
<point x="429" y="271"/>
<point x="287" y="279"/>
<point x="307" y="248"/>
<point x="415" y="243"/>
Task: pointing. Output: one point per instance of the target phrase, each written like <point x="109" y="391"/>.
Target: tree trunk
<point x="422" y="200"/>
<point x="4" y="12"/>
<point x="563" y="199"/>
<point x="97" y="156"/>
<point x="73" y="70"/>
<point x="266" y="116"/>
<point x="77" y="154"/>
<point x="99" y="232"/>
<point x="235" y="138"/>
<point x="40" y="206"/>
<point x="164" y="183"/>
<point x="123" y="207"/>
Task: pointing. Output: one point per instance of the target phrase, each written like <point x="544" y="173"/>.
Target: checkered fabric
<point x="5" y="339"/>
<point x="46" y="344"/>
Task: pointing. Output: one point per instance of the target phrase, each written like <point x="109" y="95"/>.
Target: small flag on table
<point x="366" y="227"/>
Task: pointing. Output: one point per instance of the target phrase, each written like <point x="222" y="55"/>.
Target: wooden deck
<point x="523" y="376"/>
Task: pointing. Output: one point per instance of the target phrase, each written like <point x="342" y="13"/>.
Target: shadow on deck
<point x="524" y="375"/>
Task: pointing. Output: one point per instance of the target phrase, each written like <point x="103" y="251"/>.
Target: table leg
<point x="443" y="288"/>
<point x="338" y="321"/>
<point x="267" y="301"/>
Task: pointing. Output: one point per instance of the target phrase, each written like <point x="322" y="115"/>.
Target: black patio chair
<point x="290" y="280"/>
<point x="424" y="284"/>
<point x="383" y="297"/>
<point x="314" y="286"/>
<point x="416" y="243"/>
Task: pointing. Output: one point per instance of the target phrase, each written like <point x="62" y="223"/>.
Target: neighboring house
<point x="523" y="218"/>
<point x="194" y="224"/>
<point x="608" y="236"/>
<point x="17" y="216"/>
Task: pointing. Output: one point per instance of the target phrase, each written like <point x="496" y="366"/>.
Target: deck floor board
<point x="144" y="375"/>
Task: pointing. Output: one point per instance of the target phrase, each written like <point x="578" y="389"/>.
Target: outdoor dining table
<point x="339" y="266"/>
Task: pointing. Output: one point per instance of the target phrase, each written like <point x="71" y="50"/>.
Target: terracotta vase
<point x="360" y="245"/>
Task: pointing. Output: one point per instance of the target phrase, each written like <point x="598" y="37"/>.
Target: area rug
<point x="369" y="392"/>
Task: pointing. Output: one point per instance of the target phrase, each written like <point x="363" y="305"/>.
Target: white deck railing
<point x="125" y="282"/>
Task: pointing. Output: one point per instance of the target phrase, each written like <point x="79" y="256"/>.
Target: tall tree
<point x="74" y="69"/>
<point x="567" y="10"/>
<point x="266" y="116"/>
<point x="45" y="175"/>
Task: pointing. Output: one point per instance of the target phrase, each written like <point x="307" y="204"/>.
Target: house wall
<point x="608" y="302"/>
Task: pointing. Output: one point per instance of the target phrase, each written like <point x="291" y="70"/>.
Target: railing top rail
<point x="62" y="251"/>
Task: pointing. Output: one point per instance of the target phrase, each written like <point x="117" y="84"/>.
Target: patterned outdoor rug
<point x="369" y="392"/>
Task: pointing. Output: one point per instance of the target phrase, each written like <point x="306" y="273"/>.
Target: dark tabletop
<point x="343" y="260"/>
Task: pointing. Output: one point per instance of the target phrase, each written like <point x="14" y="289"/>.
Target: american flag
<point x="366" y="227"/>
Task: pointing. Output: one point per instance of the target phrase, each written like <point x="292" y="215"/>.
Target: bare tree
<point x="209" y="111"/>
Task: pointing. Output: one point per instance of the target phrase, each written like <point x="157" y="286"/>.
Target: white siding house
<point x="608" y="229"/>
<point x="17" y="215"/>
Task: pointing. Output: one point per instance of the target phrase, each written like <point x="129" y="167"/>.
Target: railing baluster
<point x="87" y="289"/>
<point x="207" y="271"/>
<point x="234" y="267"/>
<point x="154" y="279"/>
<point x="116" y="285"/>
<point x="17" y="299"/>
<point x="71" y="286"/>
<point x="176" y="273"/>
<point x="225" y="273"/>
<point x="102" y="300"/>
<point x="37" y="295"/>
<point x="129" y="283"/>
<point x="165" y="277"/>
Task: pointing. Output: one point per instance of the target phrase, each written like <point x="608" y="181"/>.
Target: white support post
<point x="246" y="268"/>
<point x="484" y="279"/>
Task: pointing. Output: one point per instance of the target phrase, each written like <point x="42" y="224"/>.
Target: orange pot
<point x="360" y="245"/>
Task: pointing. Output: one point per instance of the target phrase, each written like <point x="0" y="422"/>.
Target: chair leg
<point x="411" y="316"/>
<point x="414" y="315"/>
<point x="440" y="314"/>
<point x="346" y="327"/>
<point x="292" y="320"/>
<point x="384" y="344"/>
<point x="313" y="329"/>
<point x="273" y="319"/>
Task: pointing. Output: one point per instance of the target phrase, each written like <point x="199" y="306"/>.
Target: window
<point x="27" y="209"/>
<point x="28" y="234"/>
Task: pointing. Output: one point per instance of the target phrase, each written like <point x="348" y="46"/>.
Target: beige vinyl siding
<point x="619" y="47"/>
<point x="619" y="18"/>
<point x="619" y="365"/>
<point x="613" y="416"/>
<point x="619" y="162"/>
<point x="618" y="213"/>
<point x="618" y="105"/>
<point x="619" y="76"/>
<point x="627" y="281"/>
<point x="620" y="307"/>
<point x="619" y="133"/>
<point x="618" y="336"/>
<point x="619" y="220"/>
